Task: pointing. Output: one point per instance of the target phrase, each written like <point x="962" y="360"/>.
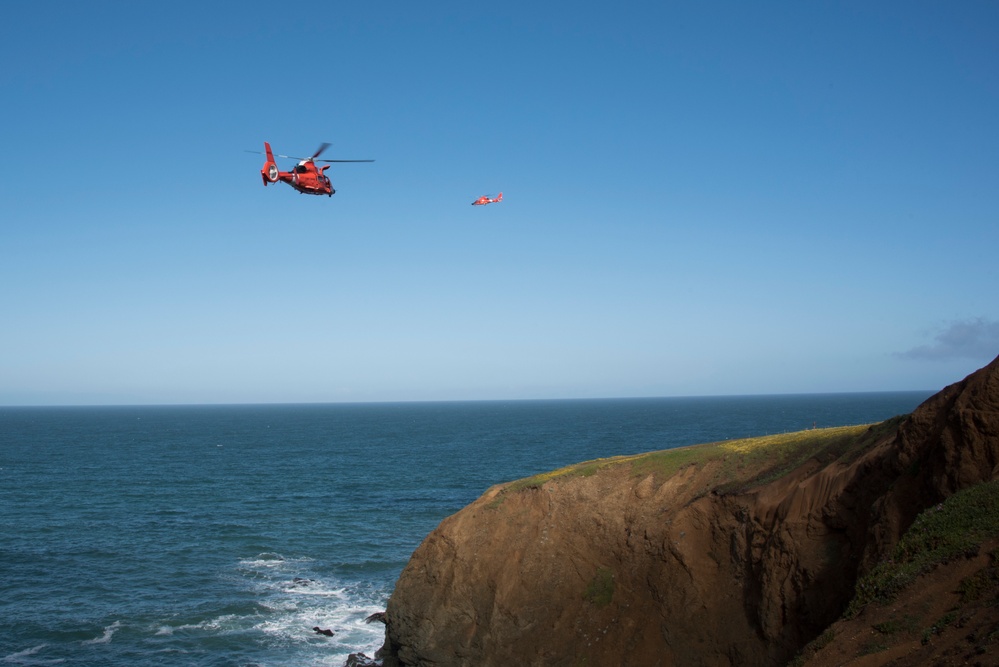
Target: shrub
<point x="600" y="590"/>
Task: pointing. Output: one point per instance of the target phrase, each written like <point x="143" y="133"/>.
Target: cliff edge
<point x="737" y="553"/>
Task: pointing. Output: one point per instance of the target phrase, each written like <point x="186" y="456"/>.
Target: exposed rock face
<point x="616" y="568"/>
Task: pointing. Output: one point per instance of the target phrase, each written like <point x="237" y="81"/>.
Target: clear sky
<point x="699" y="199"/>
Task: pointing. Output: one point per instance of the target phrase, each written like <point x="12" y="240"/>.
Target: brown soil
<point x="730" y="560"/>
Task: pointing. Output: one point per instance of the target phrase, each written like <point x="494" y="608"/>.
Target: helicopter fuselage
<point x="306" y="176"/>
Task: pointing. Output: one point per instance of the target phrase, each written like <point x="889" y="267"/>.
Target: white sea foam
<point x="14" y="657"/>
<point x="283" y="605"/>
<point x="108" y="634"/>
<point x="299" y="586"/>
<point x="273" y="561"/>
<point x="297" y="595"/>
<point x="27" y="657"/>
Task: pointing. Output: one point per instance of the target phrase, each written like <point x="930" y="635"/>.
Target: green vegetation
<point x="872" y="647"/>
<point x="906" y="624"/>
<point x="739" y="463"/>
<point x="952" y="529"/>
<point x="600" y="590"/>
<point x="578" y="470"/>
<point x="982" y="584"/>
<point x="763" y="459"/>
<point x="938" y="627"/>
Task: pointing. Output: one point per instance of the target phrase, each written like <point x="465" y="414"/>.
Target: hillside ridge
<point x="735" y="553"/>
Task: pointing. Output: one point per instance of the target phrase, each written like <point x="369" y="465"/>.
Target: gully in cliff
<point x="734" y="553"/>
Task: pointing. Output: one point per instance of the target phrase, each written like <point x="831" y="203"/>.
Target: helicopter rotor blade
<point x="323" y="146"/>
<point x="290" y="157"/>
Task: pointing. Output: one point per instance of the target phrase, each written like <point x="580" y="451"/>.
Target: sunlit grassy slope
<point x="735" y="463"/>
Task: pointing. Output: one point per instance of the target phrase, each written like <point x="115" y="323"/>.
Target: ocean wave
<point x="300" y="594"/>
<point x="27" y="657"/>
<point x="270" y="561"/>
<point x="106" y="637"/>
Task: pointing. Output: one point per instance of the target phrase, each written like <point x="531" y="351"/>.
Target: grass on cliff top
<point x="742" y="462"/>
<point x="953" y="529"/>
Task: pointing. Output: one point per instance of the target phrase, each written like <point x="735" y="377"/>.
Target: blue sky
<point x="699" y="199"/>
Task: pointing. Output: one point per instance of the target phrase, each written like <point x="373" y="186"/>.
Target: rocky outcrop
<point x="711" y="555"/>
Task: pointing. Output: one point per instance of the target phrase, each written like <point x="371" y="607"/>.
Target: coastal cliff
<point x="745" y="552"/>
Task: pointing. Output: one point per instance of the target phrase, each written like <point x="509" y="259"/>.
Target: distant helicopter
<point x="305" y="177"/>
<point x="484" y="199"/>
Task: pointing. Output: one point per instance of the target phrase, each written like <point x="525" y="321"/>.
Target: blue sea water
<point x="221" y="535"/>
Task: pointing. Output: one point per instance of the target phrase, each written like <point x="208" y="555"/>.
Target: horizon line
<point x="929" y="392"/>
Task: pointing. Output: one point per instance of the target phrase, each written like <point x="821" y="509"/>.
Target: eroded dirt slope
<point x="728" y="559"/>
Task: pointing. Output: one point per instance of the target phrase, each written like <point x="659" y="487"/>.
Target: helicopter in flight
<point x="306" y="176"/>
<point x="484" y="199"/>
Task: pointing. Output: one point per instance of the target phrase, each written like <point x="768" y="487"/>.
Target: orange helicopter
<point x="484" y="199"/>
<point x="305" y="176"/>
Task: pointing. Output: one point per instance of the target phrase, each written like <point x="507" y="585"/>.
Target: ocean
<point x="222" y="535"/>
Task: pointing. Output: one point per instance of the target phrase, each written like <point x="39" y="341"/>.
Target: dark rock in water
<point x="327" y="632"/>
<point x="377" y="616"/>
<point x="360" y="660"/>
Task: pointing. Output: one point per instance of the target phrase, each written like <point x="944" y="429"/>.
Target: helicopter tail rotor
<point x="269" y="172"/>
